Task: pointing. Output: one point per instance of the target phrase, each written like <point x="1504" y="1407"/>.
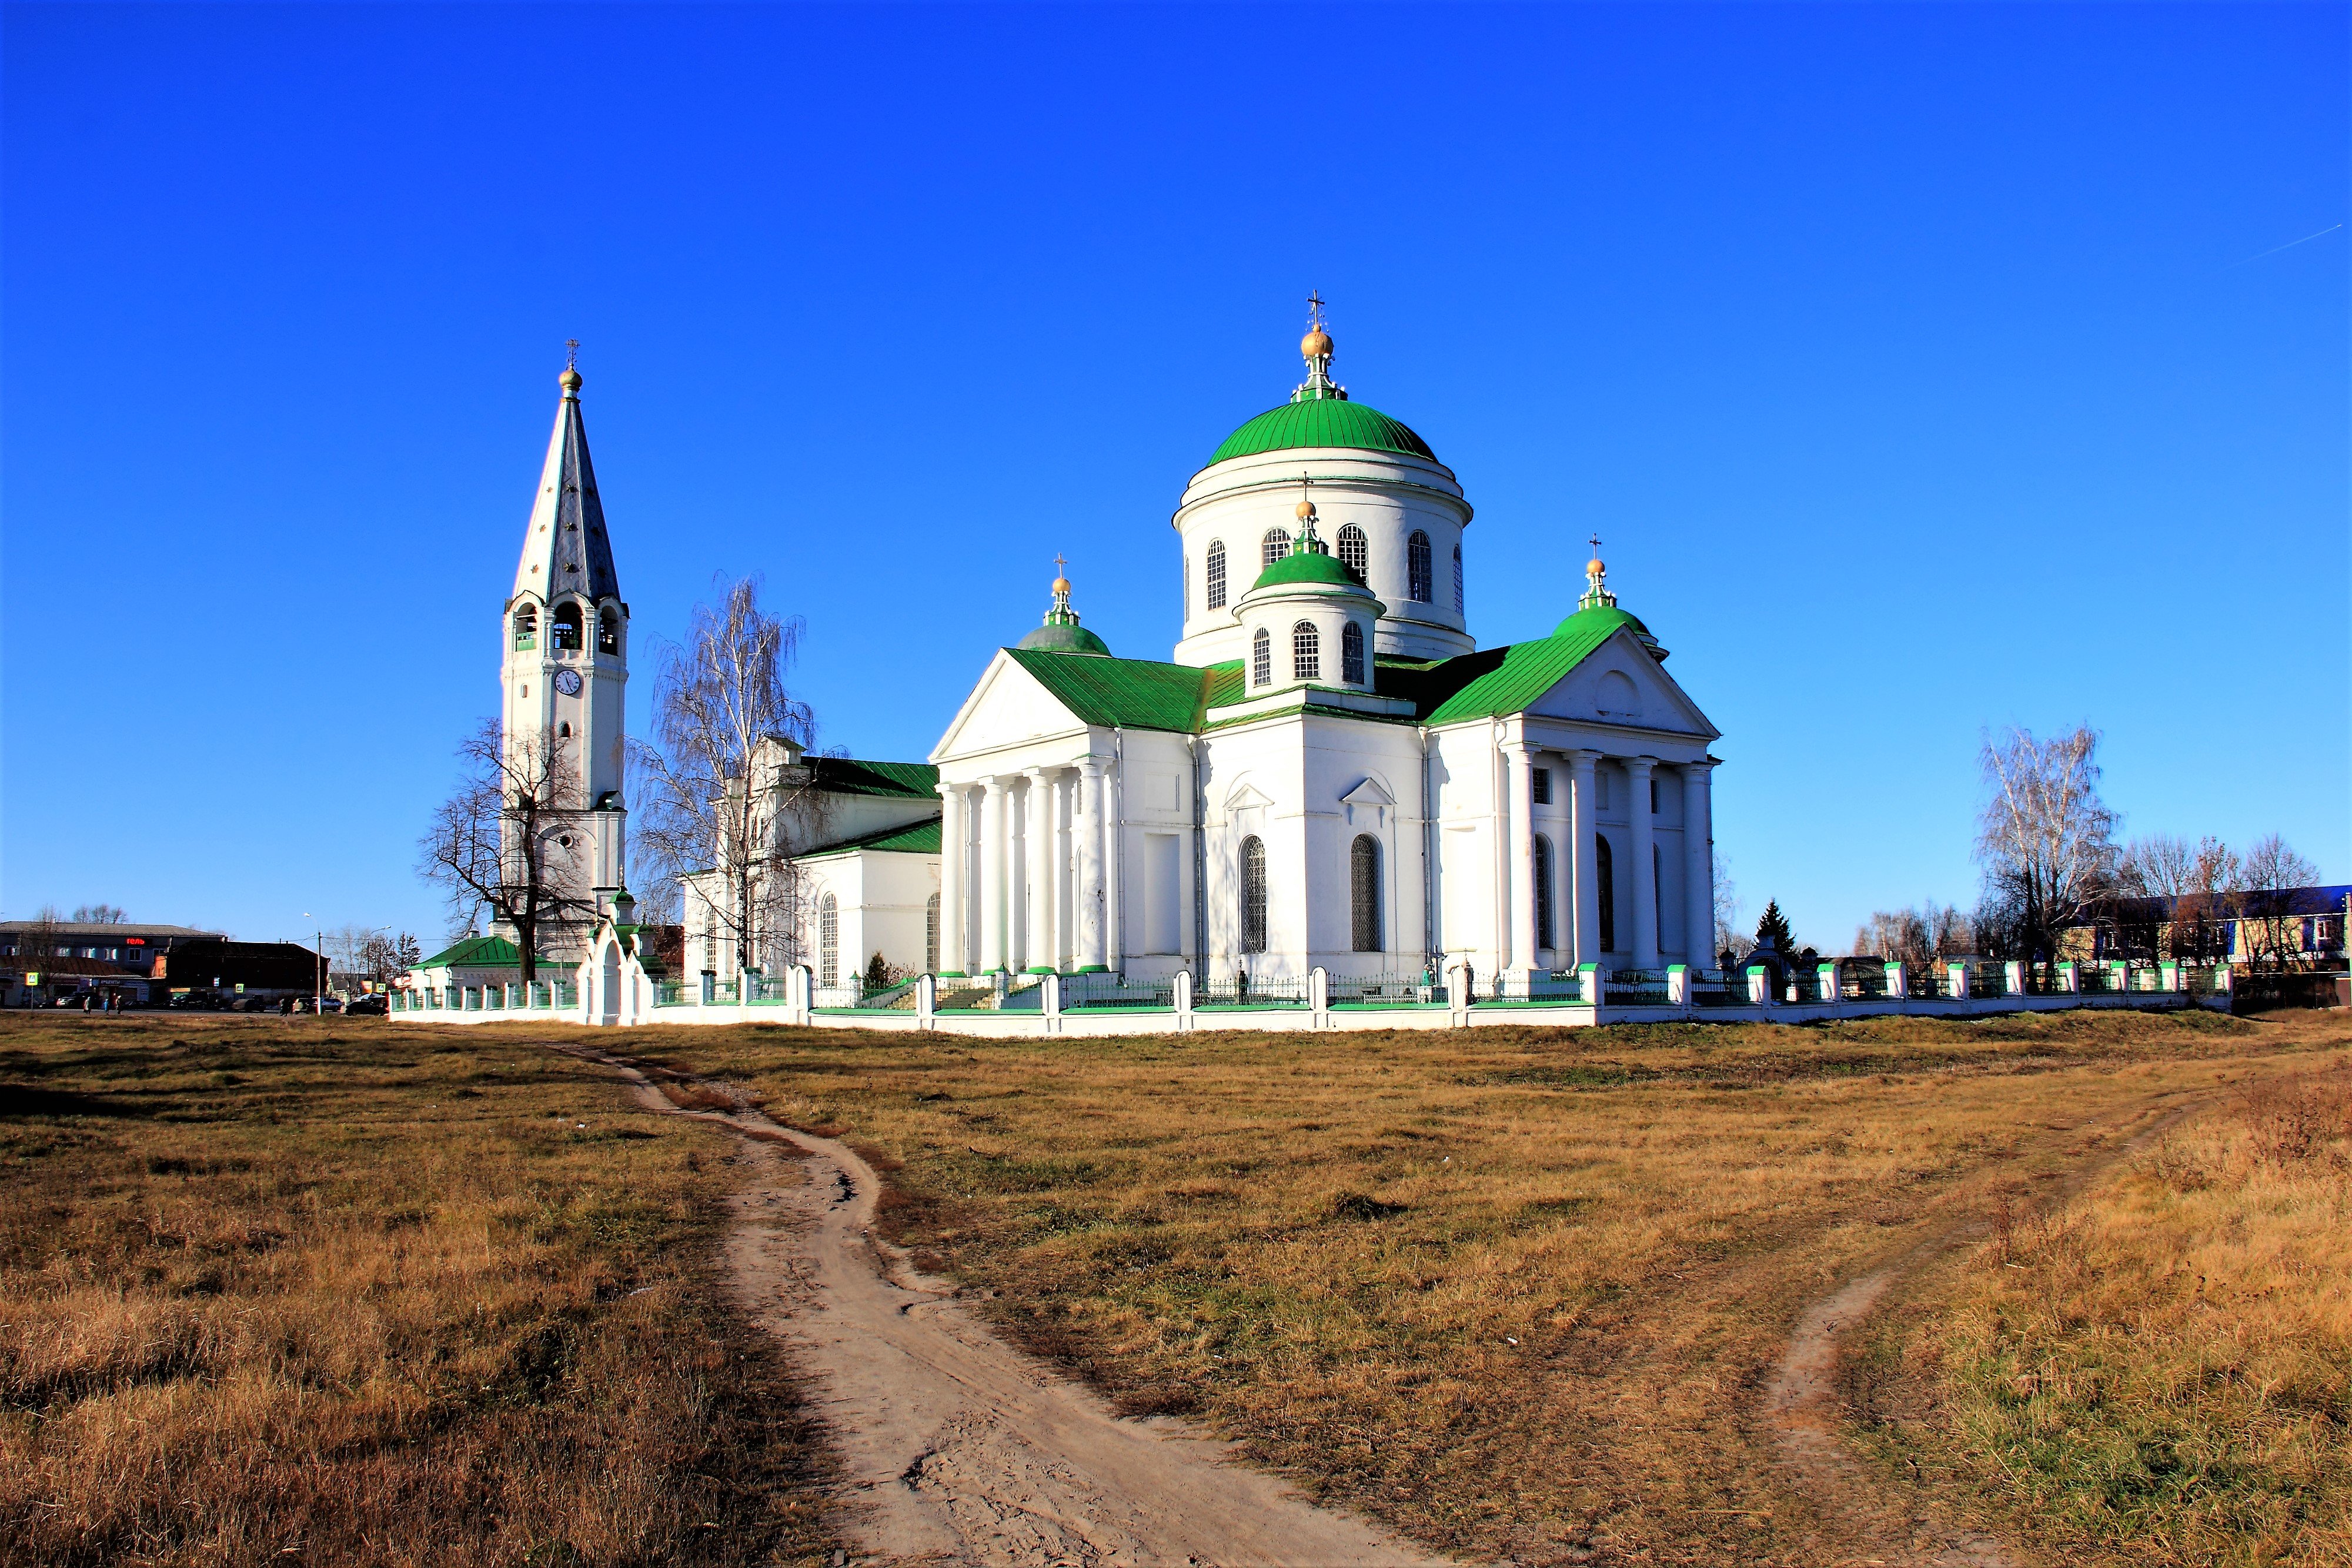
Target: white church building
<point x="1328" y="772"/>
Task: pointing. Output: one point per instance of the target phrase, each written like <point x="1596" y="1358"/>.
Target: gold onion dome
<point x="569" y="380"/>
<point x="1593" y="568"/>
<point x="1316" y="345"/>
<point x="1061" y="585"/>
<point x="1306" y="511"/>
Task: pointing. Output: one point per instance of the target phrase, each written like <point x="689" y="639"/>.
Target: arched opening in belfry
<point x="526" y="627"/>
<point x="566" y="624"/>
<point x="608" y="629"/>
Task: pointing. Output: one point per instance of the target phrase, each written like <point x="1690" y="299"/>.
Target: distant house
<point x="474" y="962"/>
<point x="2286" y="927"/>
<point x="43" y="960"/>
<point x="240" y="968"/>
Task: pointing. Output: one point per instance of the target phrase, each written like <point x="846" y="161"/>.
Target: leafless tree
<point x="2046" y="839"/>
<point x="1728" y="937"/>
<point x="513" y="840"/>
<point x="723" y="796"/>
<point x="1918" y="935"/>
<point x="2275" y="903"/>
<point x="100" y="915"/>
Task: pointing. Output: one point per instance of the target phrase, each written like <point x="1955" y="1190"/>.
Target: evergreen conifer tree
<point x="1773" y="931"/>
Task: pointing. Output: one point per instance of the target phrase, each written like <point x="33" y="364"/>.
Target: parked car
<point x="198" y="1001"/>
<point x="376" y="1006"/>
<point x="255" y="1004"/>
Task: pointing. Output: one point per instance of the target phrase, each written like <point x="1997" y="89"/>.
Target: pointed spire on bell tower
<point x="565" y="549"/>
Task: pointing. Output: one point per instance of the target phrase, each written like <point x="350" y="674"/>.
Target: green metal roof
<point x="1135" y="693"/>
<point x="479" y="953"/>
<point x="1322" y="422"/>
<point x="914" y="839"/>
<point x="1497" y="681"/>
<point x="851" y="776"/>
<point x="1601" y="617"/>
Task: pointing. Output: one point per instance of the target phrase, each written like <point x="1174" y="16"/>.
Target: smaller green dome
<point x="1598" y="620"/>
<point x="1071" y="638"/>
<point x="1303" y="567"/>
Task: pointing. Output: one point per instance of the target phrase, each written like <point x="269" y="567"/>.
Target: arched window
<point x="1305" y="653"/>
<point x="1351" y="654"/>
<point x="1605" y="873"/>
<point x="1416" y="568"/>
<point x="526" y="628"/>
<point x="608" y="629"/>
<point x="1457" y="579"/>
<point x="1355" y="551"/>
<point x="828" y="941"/>
<point x="1364" y="892"/>
<point x="566" y="625"/>
<point x="563" y="731"/>
<point x="1547" y="915"/>
<point x="931" y="935"/>
<point x="1253" y="896"/>
<point x="1216" y="574"/>
<point x="1276" y="545"/>
<point x="1261" y="659"/>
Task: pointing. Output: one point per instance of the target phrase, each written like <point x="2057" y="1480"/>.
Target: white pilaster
<point x="1114" y="863"/>
<point x="1645" y="865"/>
<point x="1519" y="881"/>
<point x="1039" y="952"/>
<point x="1087" y="827"/>
<point x="954" y="898"/>
<point x="1556" y="824"/>
<point x="1698" y="865"/>
<point x="991" y="877"/>
<point x="1584" y="875"/>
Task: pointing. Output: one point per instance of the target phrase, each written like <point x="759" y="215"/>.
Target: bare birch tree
<point x="722" y="785"/>
<point x="2275" y="901"/>
<point x="513" y="840"/>
<point x="2046" y="839"/>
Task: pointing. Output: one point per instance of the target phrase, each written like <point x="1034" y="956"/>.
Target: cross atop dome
<point x="1597" y="574"/>
<point x="1315" y="350"/>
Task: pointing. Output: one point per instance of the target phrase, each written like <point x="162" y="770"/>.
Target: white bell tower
<point x="565" y="668"/>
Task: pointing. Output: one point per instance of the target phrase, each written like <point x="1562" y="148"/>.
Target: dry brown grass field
<point x="1517" y="1293"/>
<point x="2159" y="1372"/>
<point x="338" y="1292"/>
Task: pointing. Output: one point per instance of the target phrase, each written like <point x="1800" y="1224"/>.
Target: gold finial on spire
<point x="1593" y="568"/>
<point x="570" y="380"/>
<point x="1061" y="577"/>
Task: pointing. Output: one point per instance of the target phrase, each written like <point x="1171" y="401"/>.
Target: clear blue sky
<point x="1925" y="369"/>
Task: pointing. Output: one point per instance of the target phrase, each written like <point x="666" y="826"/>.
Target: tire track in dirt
<point x="956" y="1447"/>
<point x="1803" y="1411"/>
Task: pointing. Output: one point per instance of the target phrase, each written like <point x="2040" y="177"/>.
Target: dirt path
<point x="1801" y="1408"/>
<point x="956" y="1447"/>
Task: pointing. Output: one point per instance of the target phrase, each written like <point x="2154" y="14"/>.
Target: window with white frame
<point x="1305" y="653"/>
<point x="1261" y="659"/>
<point x="1216" y="574"/>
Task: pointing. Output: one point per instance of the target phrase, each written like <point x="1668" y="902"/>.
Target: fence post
<point x="2168" y="974"/>
<point x="1591" y="985"/>
<point x="2013" y="978"/>
<point x="1760" y="986"/>
<point x="1678" y="991"/>
<point x="1052" y="985"/>
<point x="1319" y="997"/>
<point x="1898" y="982"/>
<point x="1957" y="977"/>
<point x="1827" y="976"/>
<point x="2120" y="977"/>
<point x="800" y="982"/>
<point x="2068" y="979"/>
<point x="2225" y="981"/>
<point x="927" y="1001"/>
<point x="1457" y="993"/>
<point x="1183" y="1000"/>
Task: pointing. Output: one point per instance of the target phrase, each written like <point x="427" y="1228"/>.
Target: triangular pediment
<point x="1620" y="684"/>
<point x="1246" y="797"/>
<point x="1008" y="707"/>
<point x="1371" y="792"/>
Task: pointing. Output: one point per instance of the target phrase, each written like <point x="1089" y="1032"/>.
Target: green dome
<point x="1322" y="422"/>
<point x="1064" y="639"/>
<point x="1308" y="566"/>
<point x="1598" y="620"/>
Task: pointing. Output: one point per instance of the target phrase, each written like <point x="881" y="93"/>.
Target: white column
<point x="1645" y="865"/>
<point x="1114" y="863"/>
<point x="1698" y="865"/>
<point x="1040" y="829"/>
<point x="1585" y="876"/>
<point x="1518" y="934"/>
<point x="1087" y="829"/>
<point x="954" y="922"/>
<point x="991" y="877"/>
<point x="1065" y="876"/>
